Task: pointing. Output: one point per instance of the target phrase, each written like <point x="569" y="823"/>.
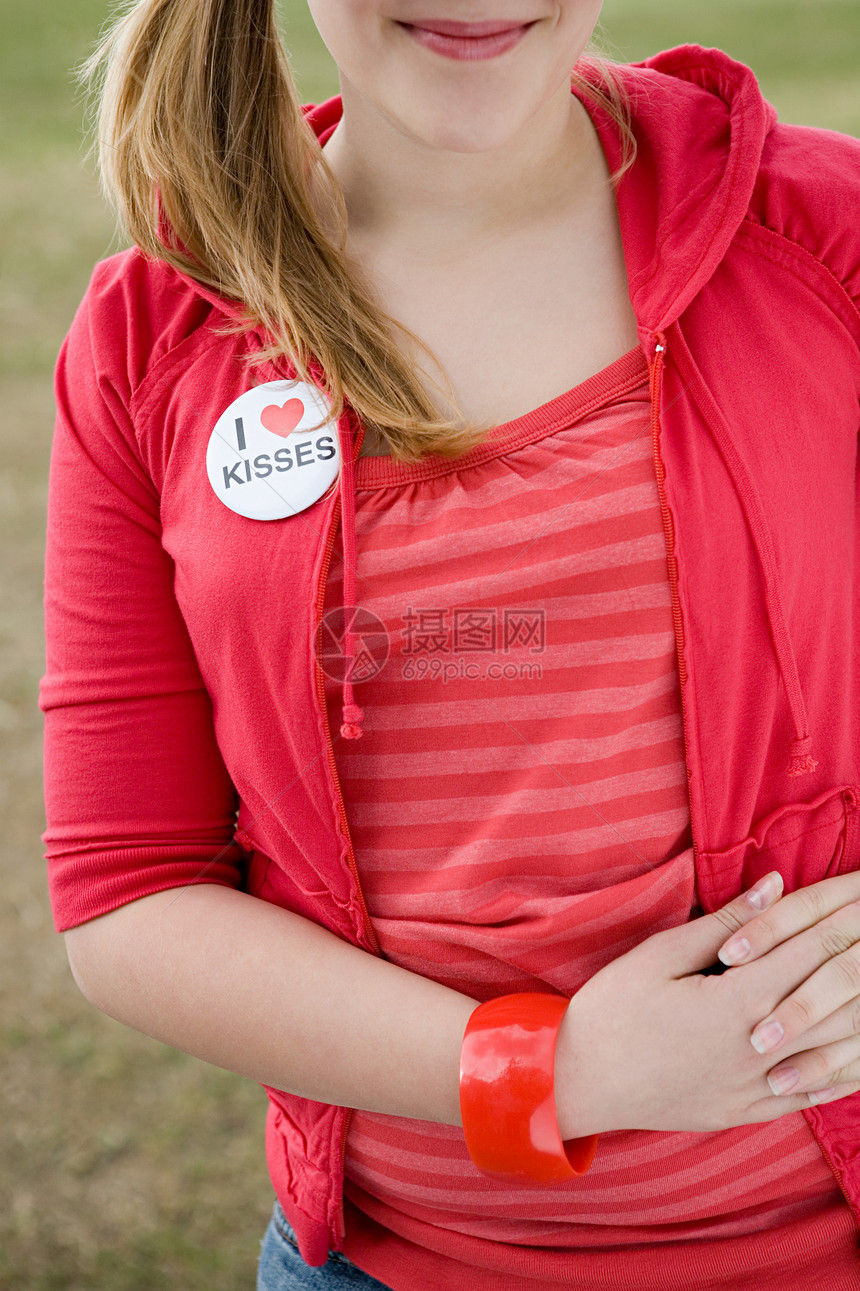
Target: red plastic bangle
<point x="507" y="1091"/>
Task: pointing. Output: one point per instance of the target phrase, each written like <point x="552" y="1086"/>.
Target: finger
<point x="823" y="965"/>
<point x="693" y="946"/>
<point x="816" y="1070"/>
<point x="839" y="1025"/>
<point x="795" y="913"/>
<point x="769" y="1109"/>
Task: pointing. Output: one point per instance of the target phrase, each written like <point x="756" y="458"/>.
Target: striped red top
<point x="518" y="806"/>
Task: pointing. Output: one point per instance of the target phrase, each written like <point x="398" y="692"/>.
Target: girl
<point x="521" y="407"/>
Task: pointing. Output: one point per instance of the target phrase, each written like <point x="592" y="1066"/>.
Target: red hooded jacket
<point x="181" y="684"/>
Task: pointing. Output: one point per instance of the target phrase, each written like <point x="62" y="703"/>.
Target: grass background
<point x="125" y="1165"/>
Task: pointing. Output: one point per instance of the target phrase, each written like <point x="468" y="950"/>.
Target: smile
<point x="467" y="40"/>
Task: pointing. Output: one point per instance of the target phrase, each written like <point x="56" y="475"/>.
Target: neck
<point x="411" y="194"/>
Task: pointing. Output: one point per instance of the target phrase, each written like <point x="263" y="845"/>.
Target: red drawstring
<point x="351" y="713"/>
<point x="801" y="760"/>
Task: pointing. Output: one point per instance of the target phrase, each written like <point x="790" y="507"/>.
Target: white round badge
<point x="261" y="460"/>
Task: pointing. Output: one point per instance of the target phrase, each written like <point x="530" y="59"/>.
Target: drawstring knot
<point x="350" y="728"/>
<point x="802" y="761"/>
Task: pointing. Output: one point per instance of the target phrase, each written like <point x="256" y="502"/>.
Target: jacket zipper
<point x="839" y="1175"/>
<point x="656" y="389"/>
<point x="368" y="926"/>
<point x="320" y="690"/>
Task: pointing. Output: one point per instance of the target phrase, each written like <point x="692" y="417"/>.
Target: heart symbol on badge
<point x="282" y="421"/>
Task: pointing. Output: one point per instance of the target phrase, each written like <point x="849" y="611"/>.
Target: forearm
<point x="263" y="992"/>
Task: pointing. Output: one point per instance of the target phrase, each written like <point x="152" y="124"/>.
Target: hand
<point x="651" y="1043"/>
<point x="818" y="1024"/>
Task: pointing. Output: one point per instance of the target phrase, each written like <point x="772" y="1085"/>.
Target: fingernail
<point x="784" y="1079"/>
<point x="820" y="1095"/>
<point x="734" y="951"/>
<point x="765" y="892"/>
<point x="767" y="1035"/>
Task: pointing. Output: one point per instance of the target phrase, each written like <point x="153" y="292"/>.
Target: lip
<point x="467" y="41"/>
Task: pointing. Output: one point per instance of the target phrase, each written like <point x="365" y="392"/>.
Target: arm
<point x="266" y="993"/>
<point x="139" y="800"/>
<point x="647" y="1043"/>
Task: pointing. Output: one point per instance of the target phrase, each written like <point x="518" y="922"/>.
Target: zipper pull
<point x="655" y="372"/>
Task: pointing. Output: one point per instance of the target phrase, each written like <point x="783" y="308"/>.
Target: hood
<point x="700" y="123"/>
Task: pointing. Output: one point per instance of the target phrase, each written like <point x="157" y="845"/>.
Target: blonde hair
<point x="199" y="125"/>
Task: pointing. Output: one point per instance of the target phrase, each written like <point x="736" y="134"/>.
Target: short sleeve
<point x="137" y="797"/>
